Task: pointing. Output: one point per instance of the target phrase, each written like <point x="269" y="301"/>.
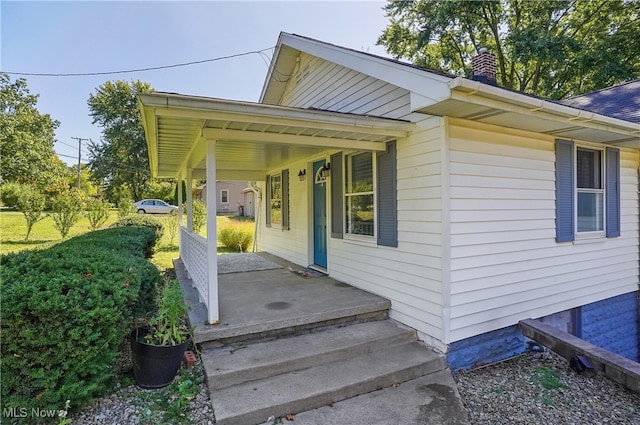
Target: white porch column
<point x="179" y="178"/>
<point x="212" y="234"/>
<point x="190" y="199"/>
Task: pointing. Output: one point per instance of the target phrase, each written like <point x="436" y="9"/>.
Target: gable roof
<point x="440" y="94"/>
<point x="621" y="101"/>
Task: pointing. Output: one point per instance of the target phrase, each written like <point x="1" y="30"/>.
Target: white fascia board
<point x="429" y="85"/>
<point x="470" y="90"/>
<point x="169" y="104"/>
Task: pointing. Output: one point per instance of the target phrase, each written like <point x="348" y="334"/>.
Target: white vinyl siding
<point x="291" y="244"/>
<point x="505" y="262"/>
<point x="411" y="275"/>
<point x="333" y="87"/>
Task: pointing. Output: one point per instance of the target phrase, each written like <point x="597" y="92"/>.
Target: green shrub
<point x="125" y="208"/>
<point x="65" y="313"/>
<point x="138" y="220"/>
<point x="170" y="222"/>
<point x="31" y="203"/>
<point x="236" y="236"/>
<point x="66" y="210"/>
<point x="199" y="215"/>
<point x="10" y="193"/>
<point x="97" y="212"/>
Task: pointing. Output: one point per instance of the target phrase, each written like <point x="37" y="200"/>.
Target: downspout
<point x="256" y="190"/>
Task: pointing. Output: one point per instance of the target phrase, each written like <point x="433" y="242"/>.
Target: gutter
<point x="477" y="92"/>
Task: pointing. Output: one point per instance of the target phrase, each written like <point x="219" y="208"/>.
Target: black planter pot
<point x="154" y="366"/>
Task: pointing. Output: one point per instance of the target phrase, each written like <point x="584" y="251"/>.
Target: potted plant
<point x="158" y="348"/>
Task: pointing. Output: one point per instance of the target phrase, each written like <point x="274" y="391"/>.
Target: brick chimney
<point x="484" y="67"/>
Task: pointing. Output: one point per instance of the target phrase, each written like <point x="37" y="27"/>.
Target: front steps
<point x="252" y="381"/>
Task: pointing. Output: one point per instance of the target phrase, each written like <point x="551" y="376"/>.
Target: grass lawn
<point x="13" y="230"/>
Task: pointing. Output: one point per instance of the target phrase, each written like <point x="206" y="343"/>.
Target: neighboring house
<point x="469" y="206"/>
<point x="231" y="198"/>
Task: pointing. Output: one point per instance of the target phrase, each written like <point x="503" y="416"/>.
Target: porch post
<point x="179" y="183"/>
<point x="212" y="235"/>
<point x="189" y="199"/>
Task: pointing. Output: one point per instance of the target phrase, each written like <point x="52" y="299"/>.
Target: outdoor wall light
<point x="325" y="171"/>
<point x="302" y="175"/>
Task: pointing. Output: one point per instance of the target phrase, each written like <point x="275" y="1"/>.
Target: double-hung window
<point x="359" y="202"/>
<point x="364" y="196"/>
<point x="224" y="196"/>
<point x="587" y="191"/>
<point x="276" y="199"/>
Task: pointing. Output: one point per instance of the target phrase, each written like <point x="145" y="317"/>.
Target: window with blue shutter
<point x="587" y="191"/>
<point x="285" y="199"/>
<point x="387" y="197"/>
<point x="267" y="203"/>
<point x="336" y="195"/>
<point x="612" y="188"/>
<point x="564" y="191"/>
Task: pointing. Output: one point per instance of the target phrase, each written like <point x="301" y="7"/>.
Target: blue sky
<point x="89" y="36"/>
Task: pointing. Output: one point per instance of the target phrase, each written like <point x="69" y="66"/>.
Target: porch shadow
<point x="256" y="304"/>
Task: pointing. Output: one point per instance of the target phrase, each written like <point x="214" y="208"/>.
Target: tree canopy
<point x="26" y="138"/>
<point x="120" y="161"/>
<point x="549" y="48"/>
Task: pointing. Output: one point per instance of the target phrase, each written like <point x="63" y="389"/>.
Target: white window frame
<point x="271" y="198"/>
<point x="222" y="195"/>
<point x="347" y="163"/>
<point x="591" y="233"/>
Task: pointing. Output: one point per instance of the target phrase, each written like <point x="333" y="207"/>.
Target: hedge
<point x="65" y="313"/>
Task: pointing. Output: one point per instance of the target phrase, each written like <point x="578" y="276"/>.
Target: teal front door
<point x="319" y="218"/>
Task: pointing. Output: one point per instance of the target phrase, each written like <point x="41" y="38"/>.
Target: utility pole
<point x="79" y="139"/>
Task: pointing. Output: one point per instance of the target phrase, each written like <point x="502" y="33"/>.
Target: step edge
<point x="275" y="368"/>
<point x="321" y="398"/>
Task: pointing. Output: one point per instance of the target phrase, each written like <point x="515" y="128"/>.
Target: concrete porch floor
<point x="264" y="302"/>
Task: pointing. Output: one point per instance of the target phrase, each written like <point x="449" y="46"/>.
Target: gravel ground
<point x="185" y="401"/>
<point x="533" y="389"/>
<point x="540" y="388"/>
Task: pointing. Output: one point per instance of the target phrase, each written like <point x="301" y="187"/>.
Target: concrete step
<point x="234" y="364"/>
<point x="371" y="308"/>
<point x="301" y="390"/>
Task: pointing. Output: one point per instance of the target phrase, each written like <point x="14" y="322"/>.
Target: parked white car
<point x="154" y="206"/>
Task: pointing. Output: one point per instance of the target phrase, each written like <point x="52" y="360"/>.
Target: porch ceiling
<point x="251" y="138"/>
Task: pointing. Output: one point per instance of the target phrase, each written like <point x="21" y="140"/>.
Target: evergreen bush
<point x="139" y="220"/>
<point x="65" y="313"/>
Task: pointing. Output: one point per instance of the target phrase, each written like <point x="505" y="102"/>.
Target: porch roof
<point x="252" y="138"/>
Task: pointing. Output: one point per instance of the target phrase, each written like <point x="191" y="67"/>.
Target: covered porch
<point x="192" y="137"/>
<point x="262" y="295"/>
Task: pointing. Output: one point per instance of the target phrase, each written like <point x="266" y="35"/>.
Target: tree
<point x="97" y="212"/>
<point x="31" y="203"/>
<point x="66" y="210"/>
<point x="547" y="48"/>
<point x="120" y="160"/>
<point x="27" y="137"/>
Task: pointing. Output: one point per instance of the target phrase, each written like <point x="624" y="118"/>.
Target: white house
<point x="469" y="206"/>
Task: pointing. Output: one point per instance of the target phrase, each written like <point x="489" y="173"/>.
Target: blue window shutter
<point x="336" y="195"/>
<point x="285" y="199"/>
<point x="387" y="183"/>
<point x="565" y="189"/>
<point x="612" y="192"/>
<point x="267" y="202"/>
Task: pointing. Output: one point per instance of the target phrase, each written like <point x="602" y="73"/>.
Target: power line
<point x="151" y="68"/>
